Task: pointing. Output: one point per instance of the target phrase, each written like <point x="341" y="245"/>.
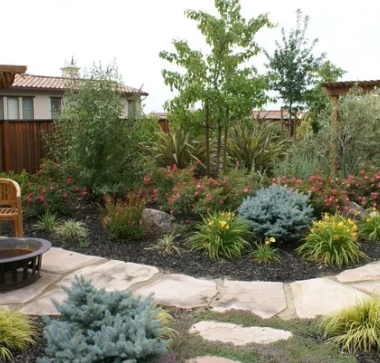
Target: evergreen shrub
<point x="101" y="326"/>
<point x="278" y="211"/>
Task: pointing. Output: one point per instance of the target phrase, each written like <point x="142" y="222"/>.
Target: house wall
<point x="42" y="105"/>
<point x="41" y="102"/>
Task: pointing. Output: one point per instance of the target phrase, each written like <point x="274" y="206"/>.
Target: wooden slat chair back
<point x="10" y="205"/>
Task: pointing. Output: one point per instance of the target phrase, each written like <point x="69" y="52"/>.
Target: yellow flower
<point x="228" y="227"/>
<point x="222" y="224"/>
<point x="340" y="224"/>
<point x="368" y="220"/>
<point x="267" y="243"/>
<point x="211" y="223"/>
<point x="272" y="240"/>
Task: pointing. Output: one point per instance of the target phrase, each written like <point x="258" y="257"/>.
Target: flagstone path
<point x="305" y="299"/>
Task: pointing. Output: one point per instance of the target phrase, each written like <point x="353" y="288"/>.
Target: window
<point x="56" y="107"/>
<point x="13" y="108"/>
<point x="27" y="108"/>
<point x="1" y="108"/>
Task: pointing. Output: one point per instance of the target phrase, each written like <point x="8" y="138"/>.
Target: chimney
<point x="70" y="70"/>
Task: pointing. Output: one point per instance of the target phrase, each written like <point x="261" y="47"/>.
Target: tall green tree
<point x="293" y="65"/>
<point x="222" y="81"/>
<point x="315" y="99"/>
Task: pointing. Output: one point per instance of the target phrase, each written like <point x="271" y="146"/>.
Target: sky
<point x="42" y="34"/>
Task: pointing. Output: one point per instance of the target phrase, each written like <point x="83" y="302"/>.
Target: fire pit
<point x="20" y="261"/>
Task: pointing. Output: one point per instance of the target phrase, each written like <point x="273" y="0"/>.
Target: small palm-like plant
<point x="370" y="227"/>
<point x="175" y="148"/>
<point x="355" y="328"/>
<point x="166" y="244"/>
<point x="47" y="222"/>
<point x="265" y="253"/>
<point x="255" y="147"/>
<point x="221" y="234"/>
<point x="17" y="332"/>
<point x="332" y="240"/>
<point x="73" y="230"/>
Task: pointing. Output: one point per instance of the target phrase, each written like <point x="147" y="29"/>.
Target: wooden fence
<point x="22" y="145"/>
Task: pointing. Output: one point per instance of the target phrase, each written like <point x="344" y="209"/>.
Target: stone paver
<point x="238" y="335"/>
<point x="114" y="275"/>
<point x="44" y="306"/>
<point x="25" y="294"/>
<point x="209" y="359"/>
<point x="363" y="273"/>
<point x="265" y="299"/>
<point x="322" y="297"/>
<point x="370" y="287"/>
<point x="181" y="291"/>
<point x="61" y="261"/>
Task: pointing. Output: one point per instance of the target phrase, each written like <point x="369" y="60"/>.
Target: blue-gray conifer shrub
<point x="99" y="326"/>
<point x="278" y="212"/>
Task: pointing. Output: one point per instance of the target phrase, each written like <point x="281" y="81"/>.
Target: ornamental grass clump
<point x="333" y="241"/>
<point x="355" y="328"/>
<point x="221" y="234"/>
<point x="17" y="333"/>
<point x="101" y="326"/>
<point x="370" y="227"/>
<point x="277" y="211"/>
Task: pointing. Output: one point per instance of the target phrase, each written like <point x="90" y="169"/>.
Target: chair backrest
<point x="10" y="193"/>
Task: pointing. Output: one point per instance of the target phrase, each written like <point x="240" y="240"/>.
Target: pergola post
<point x="333" y="136"/>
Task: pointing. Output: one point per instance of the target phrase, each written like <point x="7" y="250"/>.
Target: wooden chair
<point x="10" y="205"/>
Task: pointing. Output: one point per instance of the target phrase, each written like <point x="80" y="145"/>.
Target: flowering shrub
<point x="332" y="240"/>
<point x="329" y="195"/>
<point x="221" y="234"/>
<point x="278" y="212"/>
<point x="122" y="216"/>
<point x="370" y="226"/>
<point x="52" y="189"/>
<point x="181" y="193"/>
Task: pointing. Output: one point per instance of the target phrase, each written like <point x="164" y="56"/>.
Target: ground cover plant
<point x="356" y="328"/>
<point x="370" y="226"/>
<point x="17" y="333"/>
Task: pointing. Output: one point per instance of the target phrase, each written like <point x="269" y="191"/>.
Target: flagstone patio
<point x="305" y="299"/>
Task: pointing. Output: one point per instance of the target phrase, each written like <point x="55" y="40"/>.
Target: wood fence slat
<point x="22" y="144"/>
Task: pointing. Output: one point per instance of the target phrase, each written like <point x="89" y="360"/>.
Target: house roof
<point x="33" y="82"/>
<point x="162" y="116"/>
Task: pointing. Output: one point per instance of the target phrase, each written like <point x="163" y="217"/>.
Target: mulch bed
<point x="193" y="263"/>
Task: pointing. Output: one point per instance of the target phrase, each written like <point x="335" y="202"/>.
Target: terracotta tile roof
<point x="351" y="84"/>
<point x="33" y="82"/>
<point x="162" y="116"/>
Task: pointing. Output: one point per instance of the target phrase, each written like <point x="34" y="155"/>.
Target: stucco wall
<point x="41" y="102"/>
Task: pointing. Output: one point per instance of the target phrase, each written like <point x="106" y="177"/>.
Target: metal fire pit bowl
<point x="20" y="261"/>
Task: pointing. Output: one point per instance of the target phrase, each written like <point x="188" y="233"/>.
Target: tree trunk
<point x="207" y="142"/>
<point x="218" y="152"/>
<point x="225" y="149"/>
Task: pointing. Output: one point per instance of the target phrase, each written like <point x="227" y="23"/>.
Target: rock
<point x="370" y="287"/>
<point x="61" y="261"/>
<point x="209" y="359"/>
<point x="156" y="222"/>
<point x="363" y="273"/>
<point x="180" y="291"/>
<point x="356" y="209"/>
<point x="238" y="335"/>
<point x="114" y="275"/>
<point x="322" y="297"/>
<point x="265" y="299"/>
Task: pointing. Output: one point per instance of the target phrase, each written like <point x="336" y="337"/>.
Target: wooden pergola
<point x="334" y="90"/>
<point x="8" y="74"/>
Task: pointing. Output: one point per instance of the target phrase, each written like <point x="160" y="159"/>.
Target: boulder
<point x="356" y="209"/>
<point x="156" y="222"/>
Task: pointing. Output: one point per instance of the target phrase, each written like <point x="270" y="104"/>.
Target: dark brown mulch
<point x="194" y="263"/>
